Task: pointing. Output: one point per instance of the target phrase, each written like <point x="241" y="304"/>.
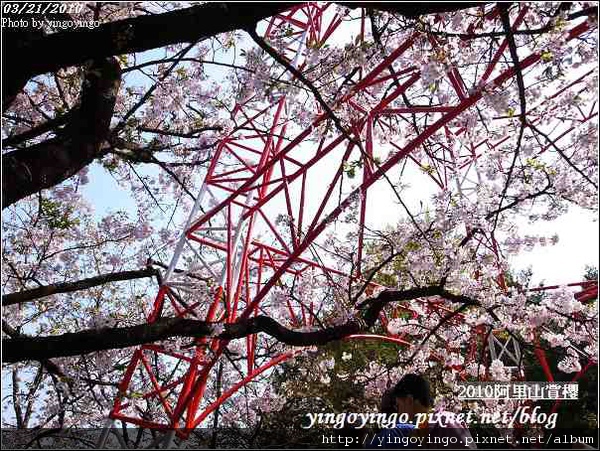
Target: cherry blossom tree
<point x="148" y="108"/>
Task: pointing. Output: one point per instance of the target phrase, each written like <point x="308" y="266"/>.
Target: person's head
<point x="412" y="395"/>
<point x="388" y="402"/>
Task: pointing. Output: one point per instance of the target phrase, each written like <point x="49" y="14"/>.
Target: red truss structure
<point x="269" y="194"/>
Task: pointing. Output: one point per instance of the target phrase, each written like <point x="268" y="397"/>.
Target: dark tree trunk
<point x="29" y="170"/>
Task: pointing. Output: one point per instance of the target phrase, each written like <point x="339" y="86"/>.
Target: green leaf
<point x="181" y="72"/>
<point x="547" y="56"/>
<point x="56" y="217"/>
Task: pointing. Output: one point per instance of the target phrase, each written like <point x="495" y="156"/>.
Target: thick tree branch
<point x="38" y="130"/>
<point x="49" y="365"/>
<point x="39" y="348"/>
<point x="69" y="287"/>
<point x="14" y="40"/>
<point x="137" y="34"/>
<point x="52" y="369"/>
<point x="41" y="54"/>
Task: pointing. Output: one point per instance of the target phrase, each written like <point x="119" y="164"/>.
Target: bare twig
<point x="300" y="76"/>
<point x="562" y="153"/>
<point x="521" y="86"/>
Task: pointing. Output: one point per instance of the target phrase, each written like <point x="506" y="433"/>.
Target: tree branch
<point x="414" y="9"/>
<point x="515" y="57"/>
<point x="41" y="54"/>
<point x="49" y="365"/>
<point x="300" y="76"/>
<point x="505" y="16"/>
<point x="38" y="130"/>
<point x="190" y="134"/>
<point x="70" y="344"/>
<point x="562" y="154"/>
<point x="592" y="11"/>
<point x="141" y="154"/>
<point x="68" y="287"/>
